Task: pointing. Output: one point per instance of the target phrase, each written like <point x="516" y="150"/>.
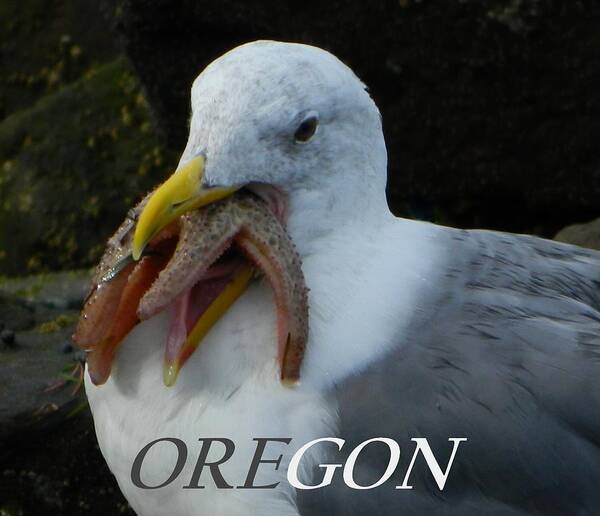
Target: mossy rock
<point x="47" y="44"/>
<point x="584" y="235"/>
<point x="73" y="164"/>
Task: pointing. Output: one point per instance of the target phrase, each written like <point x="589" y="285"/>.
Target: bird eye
<point x="306" y="129"/>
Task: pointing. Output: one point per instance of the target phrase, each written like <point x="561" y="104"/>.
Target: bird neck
<point x="368" y="284"/>
<point x="318" y="215"/>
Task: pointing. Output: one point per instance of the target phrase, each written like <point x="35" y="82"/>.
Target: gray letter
<point x="257" y="460"/>
<point x="137" y="463"/>
<point x="214" y="466"/>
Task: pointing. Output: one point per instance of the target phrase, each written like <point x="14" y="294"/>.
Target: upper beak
<point x="182" y="192"/>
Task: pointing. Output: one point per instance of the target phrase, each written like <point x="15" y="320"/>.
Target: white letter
<point x="434" y="467"/>
<point x="391" y="467"/>
<point x="292" y="473"/>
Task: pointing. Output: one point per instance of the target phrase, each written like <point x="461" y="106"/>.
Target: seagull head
<point x="285" y="123"/>
<point x="290" y="122"/>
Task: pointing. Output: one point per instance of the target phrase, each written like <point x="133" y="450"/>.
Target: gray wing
<point x="510" y="359"/>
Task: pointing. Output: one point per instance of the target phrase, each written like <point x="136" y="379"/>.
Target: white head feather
<point x="246" y="107"/>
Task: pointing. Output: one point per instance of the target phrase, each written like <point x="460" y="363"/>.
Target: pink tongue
<point x="190" y="305"/>
<point x="178" y="330"/>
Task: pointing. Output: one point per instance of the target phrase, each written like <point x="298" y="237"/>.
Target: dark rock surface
<point x="45" y="45"/>
<point x="70" y="168"/>
<point x="584" y="235"/>
<point x="49" y="460"/>
<point x="58" y="472"/>
<point x="77" y="144"/>
<point x="38" y="312"/>
<point x="491" y="108"/>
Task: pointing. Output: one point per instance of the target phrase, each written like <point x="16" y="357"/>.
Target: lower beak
<point x="234" y="289"/>
<point x="182" y="192"/>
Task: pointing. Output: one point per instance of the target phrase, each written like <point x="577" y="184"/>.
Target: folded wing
<point x="509" y="357"/>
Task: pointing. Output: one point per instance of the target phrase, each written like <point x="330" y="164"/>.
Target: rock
<point x="491" y="108"/>
<point x="77" y="142"/>
<point x="67" y="185"/>
<point x="46" y="46"/>
<point x="584" y="235"/>
<point x="15" y="312"/>
<point x="58" y="472"/>
<point x="51" y="303"/>
<point x="8" y="338"/>
<point x="66" y="347"/>
<point x="60" y="290"/>
<point x="45" y="427"/>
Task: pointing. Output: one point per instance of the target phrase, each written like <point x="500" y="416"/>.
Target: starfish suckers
<point x="198" y="265"/>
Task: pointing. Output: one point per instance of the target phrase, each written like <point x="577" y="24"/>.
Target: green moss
<point x="70" y="168"/>
<point x="77" y="142"/>
<point x="30" y="292"/>
<point x="46" y="46"/>
<point x="31" y="287"/>
<point x="62" y="321"/>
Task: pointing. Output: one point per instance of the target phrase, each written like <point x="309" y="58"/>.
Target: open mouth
<point x="196" y="268"/>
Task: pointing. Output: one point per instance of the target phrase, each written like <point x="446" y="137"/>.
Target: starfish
<point x="199" y="264"/>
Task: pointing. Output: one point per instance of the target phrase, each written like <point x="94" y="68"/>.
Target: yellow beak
<point x="182" y="192"/>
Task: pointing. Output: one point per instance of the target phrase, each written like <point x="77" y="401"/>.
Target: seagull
<point x="414" y="330"/>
